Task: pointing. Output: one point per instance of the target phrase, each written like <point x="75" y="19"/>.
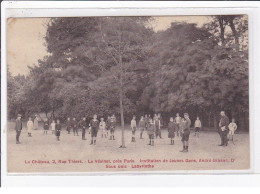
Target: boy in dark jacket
<point x="94" y="124"/>
<point x="58" y="129"/>
<point x="112" y="127"/>
<point x="18" y="128"/>
<point x="150" y="132"/>
<point x="171" y="130"/>
<point x="157" y="125"/>
<point x="83" y="126"/>
<point x="68" y="125"/>
<point x="142" y="126"/>
<point x="146" y="119"/>
<point x="186" y="133"/>
<point x="75" y="126"/>
<point x="45" y="126"/>
<point x="108" y="123"/>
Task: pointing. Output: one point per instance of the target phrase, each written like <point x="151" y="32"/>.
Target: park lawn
<point x="46" y="148"/>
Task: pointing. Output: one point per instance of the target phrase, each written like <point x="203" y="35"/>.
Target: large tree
<point x="229" y="30"/>
<point x="122" y="41"/>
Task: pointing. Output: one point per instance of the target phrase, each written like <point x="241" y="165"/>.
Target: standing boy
<point x="182" y="126"/>
<point x="75" y="126"/>
<point x="186" y="133"/>
<point x="112" y="127"/>
<point x="197" y="127"/>
<point x="102" y="128"/>
<point x="146" y="120"/>
<point x="171" y="130"/>
<point x="142" y="126"/>
<point x="108" y="124"/>
<point x="68" y="125"/>
<point x="232" y="128"/>
<point x="178" y="121"/>
<point x="18" y="128"/>
<point x="46" y="126"/>
<point x="160" y="119"/>
<point x="133" y="127"/>
<point x="154" y="116"/>
<point x="29" y="127"/>
<point x="36" y="122"/>
<point x="83" y="125"/>
<point x="157" y="125"/>
<point x="94" y="124"/>
<point x="150" y="132"/>
<point x="53" y="125"/>
<point x="58" y="129"/>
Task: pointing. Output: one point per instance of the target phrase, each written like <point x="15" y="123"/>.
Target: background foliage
<point x="95" y="64"/>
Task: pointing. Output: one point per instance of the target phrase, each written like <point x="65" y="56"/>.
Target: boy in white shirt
<point x="197" y="127"/>
<point x="53" y="124"/>
<point x="133" y="126"/>
<point x="102" y="128"/>
<point x="178" y="121"/>
<point x="157" y="126"/>
<point x="232" y="128"/>
<point x="29" y="127"/>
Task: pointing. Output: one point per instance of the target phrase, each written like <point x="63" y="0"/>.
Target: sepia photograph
<point x="128" y="94"/>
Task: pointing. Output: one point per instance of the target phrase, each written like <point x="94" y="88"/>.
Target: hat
<point x="186" y="114"/>
<point x="19" y="115"/>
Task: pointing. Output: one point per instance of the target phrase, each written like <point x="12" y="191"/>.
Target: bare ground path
<point x="71" y="154"/>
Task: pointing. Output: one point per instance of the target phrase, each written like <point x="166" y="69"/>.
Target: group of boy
<point x="178" y="125"/>
<point x="145" y="123"/>
<point x="94" y="125"/>
<point x="181" y="127"/>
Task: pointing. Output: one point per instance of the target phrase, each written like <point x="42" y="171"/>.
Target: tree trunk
<point x="233" y="114"/>
<point x="241" y="121"/>
<point x="215" y="120"/>
<point x="122" y="117"/>
<point x="222" y="30"/>
<point x="53" y="115"/>
<point x="46" y="113"/>
<point x="246" y="121"/>
<point x="121" y="101"/>
<point x="232" y="26"/>
<point x="209" y="118"/>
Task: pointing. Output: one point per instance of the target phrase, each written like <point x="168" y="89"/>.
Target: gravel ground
<point x="42" y="153"/>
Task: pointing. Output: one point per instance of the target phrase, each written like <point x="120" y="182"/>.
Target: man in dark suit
<point x="18" y="128"/>
<point x="223" y="129"/>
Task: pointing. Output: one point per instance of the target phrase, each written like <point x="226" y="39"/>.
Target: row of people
<point x="94" y="126"/>
<point x="153" y="127"/>
<point x="179" y="126"/>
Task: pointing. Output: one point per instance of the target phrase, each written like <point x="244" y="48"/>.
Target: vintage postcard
<point x="128" y="94"/>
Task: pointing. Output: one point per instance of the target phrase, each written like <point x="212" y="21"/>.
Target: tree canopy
<point x="118" y="65"/>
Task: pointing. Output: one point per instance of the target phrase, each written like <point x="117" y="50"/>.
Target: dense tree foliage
<point x="118" y="65"/>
